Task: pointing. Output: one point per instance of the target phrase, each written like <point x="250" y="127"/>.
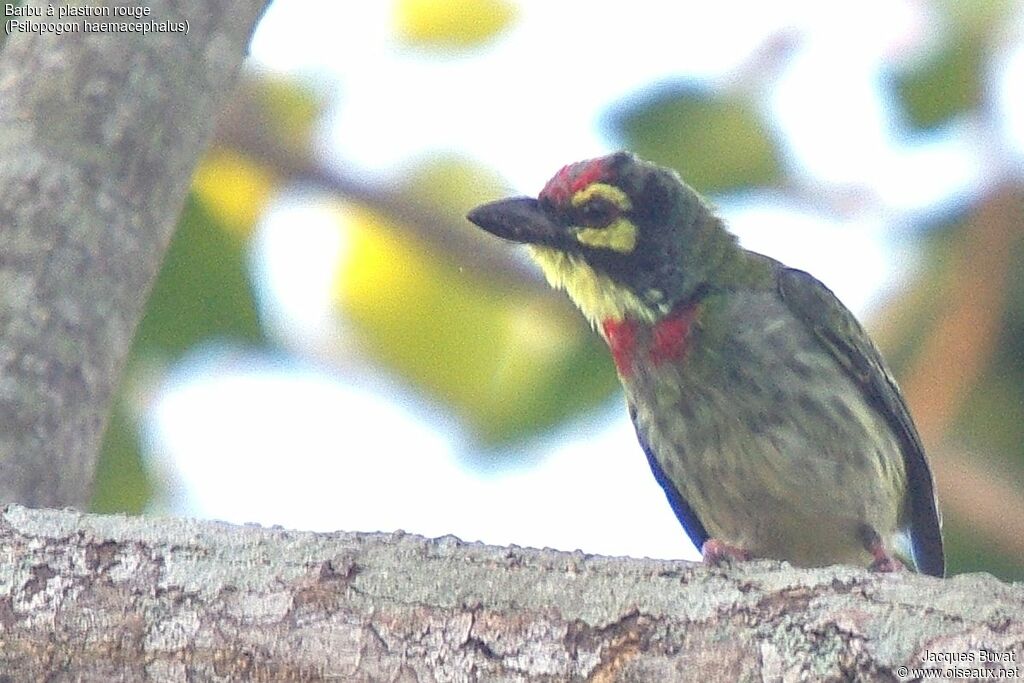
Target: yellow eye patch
<point x="620" y="234"/>
<point x="605" y="191"/>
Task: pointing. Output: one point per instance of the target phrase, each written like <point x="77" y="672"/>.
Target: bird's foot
<point x="883" y="561"/>
<point x="716" y="552"/>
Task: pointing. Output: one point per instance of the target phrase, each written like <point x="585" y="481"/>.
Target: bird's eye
<point x="598" y="212"/>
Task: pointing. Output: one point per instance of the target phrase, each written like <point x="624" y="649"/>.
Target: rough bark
<point x="99" y="133"/>
<point x="93" y="598"/>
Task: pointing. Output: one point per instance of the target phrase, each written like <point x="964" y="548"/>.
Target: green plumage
<point x="766" y="412"/>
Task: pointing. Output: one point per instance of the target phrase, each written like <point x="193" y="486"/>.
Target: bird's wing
<point x="839" y="332"/>
<point x="684" y="513"/>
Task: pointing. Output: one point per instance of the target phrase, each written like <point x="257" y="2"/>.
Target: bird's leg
<point x="716" y="552"/>
<point x="883" y="562"/>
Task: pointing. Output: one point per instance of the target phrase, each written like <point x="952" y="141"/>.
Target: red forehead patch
<point x="573" y="178"/>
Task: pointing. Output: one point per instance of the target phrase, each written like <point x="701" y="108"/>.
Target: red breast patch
<point x="671" y="335"/>
<point x="666" y="341"/>
<point x="621" y="336"/>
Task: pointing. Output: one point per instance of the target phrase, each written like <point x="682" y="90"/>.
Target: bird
<point x="767" y="414"/>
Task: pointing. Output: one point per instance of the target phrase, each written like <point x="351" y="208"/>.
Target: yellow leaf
<point x="486" y="352"/>
<point x="446" y="23"/>
<point x="233" y="188"/>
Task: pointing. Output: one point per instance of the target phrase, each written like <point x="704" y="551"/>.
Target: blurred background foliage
<point x="466" y="326"/>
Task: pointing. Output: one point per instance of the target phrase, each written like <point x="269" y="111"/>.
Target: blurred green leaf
<point x="904" y="322"/>
<point x="967" y="551"/>
<point x="951" y="79"/>
<point x="202" y="292"/>
<point x="509" y="364"/>
<point x="122" y="482"/>
<point x="716" y="142"/>
<point x="946" y="84"/>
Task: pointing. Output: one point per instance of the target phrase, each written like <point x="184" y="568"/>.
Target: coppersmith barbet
<point x="766" y="413"/>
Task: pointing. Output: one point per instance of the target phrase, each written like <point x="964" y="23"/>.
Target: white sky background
<point x="303" y="448"/>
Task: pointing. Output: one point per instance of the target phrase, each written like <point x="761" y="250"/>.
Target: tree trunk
<point x="99" y="133"/>
<point x="93" y="598"/>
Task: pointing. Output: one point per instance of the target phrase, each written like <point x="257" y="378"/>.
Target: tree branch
<point x="115" y="598"/>
<point x="243" y="127"/>
<point x="99" y="133"/>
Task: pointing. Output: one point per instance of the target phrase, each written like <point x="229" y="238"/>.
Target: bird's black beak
<point x="519" y="219"/>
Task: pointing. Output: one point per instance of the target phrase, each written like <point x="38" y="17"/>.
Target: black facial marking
<point x="598" y="212"/>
